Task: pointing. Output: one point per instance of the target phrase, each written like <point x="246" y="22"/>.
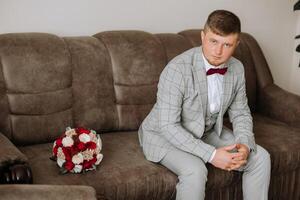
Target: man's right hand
<point x="223" y="159"/>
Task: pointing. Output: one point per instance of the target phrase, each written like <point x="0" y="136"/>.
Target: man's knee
<point x="263" y="157"/>
<point x="197" y="171"/>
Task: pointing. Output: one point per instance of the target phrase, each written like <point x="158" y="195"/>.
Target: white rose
<point x="60" y="154"/>
<point x="99" y="159"/>
<point x="84" y="138"/>
<point x="77" y="168"/>
<point x="77" y="159"/>
<point x="99" y="142"/>
<point x="92" y="137"/>
<point x="60" y="162"/>
<point x="70" y="132"/>
<point x="67" y="141"/>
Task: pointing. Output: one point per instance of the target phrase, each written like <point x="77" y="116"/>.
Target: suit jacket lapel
<point x="200" y="79"/>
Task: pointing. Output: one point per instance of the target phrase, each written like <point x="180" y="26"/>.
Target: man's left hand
<point x="241" y="160"/>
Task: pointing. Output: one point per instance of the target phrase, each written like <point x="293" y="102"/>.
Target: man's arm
<point x="170" y="97"/>
<point x="240" y="116"/>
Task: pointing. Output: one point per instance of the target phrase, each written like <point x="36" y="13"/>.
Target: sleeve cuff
<point x="212" y="156"/>
<point x="204" y="151"/>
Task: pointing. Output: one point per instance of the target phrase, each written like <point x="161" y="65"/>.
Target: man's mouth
<point x="216" y="57"/>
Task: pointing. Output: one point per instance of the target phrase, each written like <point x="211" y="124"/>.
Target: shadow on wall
<point x="297" y="7"/>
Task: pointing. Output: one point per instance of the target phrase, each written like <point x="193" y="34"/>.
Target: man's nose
<point x="219" y="50"/>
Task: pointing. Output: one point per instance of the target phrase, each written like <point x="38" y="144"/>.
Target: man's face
<point x="218" y="49"/>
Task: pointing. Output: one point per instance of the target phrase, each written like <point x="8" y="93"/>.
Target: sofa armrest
<point x="279" y="104"/>
<point x="13" y="163"/>
<point x="47" y="192"/>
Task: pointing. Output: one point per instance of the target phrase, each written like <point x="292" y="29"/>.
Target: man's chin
<point x="216" y="63"/>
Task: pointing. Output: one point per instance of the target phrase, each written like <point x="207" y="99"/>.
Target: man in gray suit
<point x="184" y="130"/>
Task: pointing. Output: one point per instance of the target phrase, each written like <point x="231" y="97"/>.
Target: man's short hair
<point x="223" y="22"/>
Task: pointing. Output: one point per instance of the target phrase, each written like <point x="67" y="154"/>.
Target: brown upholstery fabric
<point x="5" y="125"/>
<point x="9" y="154"/>
<point x="264" y="76"/>
<point x="281" y="105"/>
<point x="124" y="173"/>
<point x="137" y="60"/>
<point x="193" y="36"/>
<point x="47" y="192"/>
<point x="37" y="78"/>
<point x="93" y="92"/>
<point x="284" y="149"/>
<point x="173" y="44"/>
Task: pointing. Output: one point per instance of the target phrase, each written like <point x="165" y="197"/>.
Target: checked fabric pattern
<point x="177" y="119"/>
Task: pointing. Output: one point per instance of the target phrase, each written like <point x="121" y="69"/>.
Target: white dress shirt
<point x="215" y="90"/>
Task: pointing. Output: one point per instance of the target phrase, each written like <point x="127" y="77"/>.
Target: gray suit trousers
<point x="192" y="172"/>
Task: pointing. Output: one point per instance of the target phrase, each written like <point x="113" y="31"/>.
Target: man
<point x="184" y="130"/>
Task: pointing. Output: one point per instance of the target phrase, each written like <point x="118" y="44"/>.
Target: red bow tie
<point x="221" y="71"/>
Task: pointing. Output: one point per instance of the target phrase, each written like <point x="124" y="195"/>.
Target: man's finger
<point x="236" y="155"/>
<point x="238" y="164"/>
<point x="230" y="147"/>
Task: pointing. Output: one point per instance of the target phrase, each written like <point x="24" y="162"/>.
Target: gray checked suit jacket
<point x="177" y="119"/>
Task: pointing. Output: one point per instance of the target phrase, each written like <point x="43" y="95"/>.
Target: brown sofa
<point x="46" y="192"/>
<point x="107" y="82"/>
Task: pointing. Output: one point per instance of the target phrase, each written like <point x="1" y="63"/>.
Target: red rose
<point x="67" y="153"/>
<point x="81" y="146"/>
<point x="91" y="145"/>
<point x="89" y="164"/>
<point x="81" y="130"/>
<point x="59" y="142"/>
<point x="69" y="165"/>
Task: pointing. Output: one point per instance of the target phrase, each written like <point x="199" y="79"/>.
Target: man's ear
<point x="202" y="35"/>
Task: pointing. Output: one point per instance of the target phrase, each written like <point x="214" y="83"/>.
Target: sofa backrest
<point x="106" y="82"/>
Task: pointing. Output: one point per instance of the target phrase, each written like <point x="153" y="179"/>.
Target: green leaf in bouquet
<point x="53" y="157"/>
<point x="63" y="170"/>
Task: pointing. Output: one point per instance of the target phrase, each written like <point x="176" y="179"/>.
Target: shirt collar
<point x="208" y="65"/>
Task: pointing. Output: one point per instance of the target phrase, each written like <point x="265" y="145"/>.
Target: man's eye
<point x="227" y="45"/>
<point x="214" y="41"/>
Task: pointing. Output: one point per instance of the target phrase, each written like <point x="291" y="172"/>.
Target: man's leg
<point x="256" y="176"/>
<point x="191" y="171"/>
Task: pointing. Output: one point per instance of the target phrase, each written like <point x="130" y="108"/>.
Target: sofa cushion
<point x="46" y="192"/>
<point x="37" y="77"/>
<point x="123" y="173"/>
<point x="92" y="84"/>
<point x="137" y="59"/>
<point x="281" y="140"/>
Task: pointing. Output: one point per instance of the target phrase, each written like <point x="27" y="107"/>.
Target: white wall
<point x="272" y="22"/>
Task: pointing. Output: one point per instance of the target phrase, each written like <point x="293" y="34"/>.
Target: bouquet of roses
<point x="77" y="150"/>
